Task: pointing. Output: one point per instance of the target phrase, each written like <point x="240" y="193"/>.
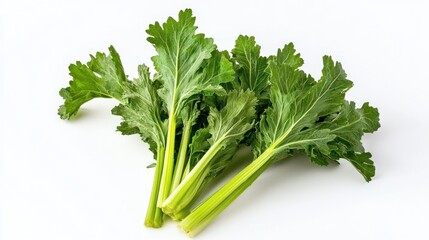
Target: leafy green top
<point x="141" y="111"/>
<point x="183" y="62"/>
<point x="348" y="126"/>
<point x="250" y="67"/>
<point x="226" y="127"/>
<point x="299" y="103"/>
<point x="102" y="77"/>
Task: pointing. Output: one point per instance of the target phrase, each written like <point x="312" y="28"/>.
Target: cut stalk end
<point x="153" y="224"/>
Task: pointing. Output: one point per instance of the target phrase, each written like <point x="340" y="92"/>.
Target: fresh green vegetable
<point x="102" y="77"/>
<point x="186" y="70"/>
<point x="202" y="103"/>
<point x="250" y="66"/>
<point x="187" y="65"/>
<point x="304" y="116"/>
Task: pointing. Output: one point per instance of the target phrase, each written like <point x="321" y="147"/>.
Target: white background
<point x="81" y="179"/>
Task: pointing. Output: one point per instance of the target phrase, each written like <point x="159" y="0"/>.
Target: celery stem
<point x="154" y="214"/>
<point x="168" y="167"/>
<point x="188" y="188"/>
<point x="187" y="170"/>
<point x="181" y="157"/>
<point x="199" y="218"/>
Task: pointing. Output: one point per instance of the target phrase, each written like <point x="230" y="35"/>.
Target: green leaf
<point x="309" y="137"/>
<point x="226" y="126"/>
<point x="102" y="77"/>
<point x="371" y="118"/>
<point x="297" y="81"/>
<point x="229" y="125"/>
<point x="190" y="114"/>
<point x="349" y="125"/>
<point x="294" y="111"/>
<point x="250" y="66"/>
<point x="362" y="163"/>
<point x="181" y="55"/>
<point x="199" y="145"/>
<point x="218" y="69"/>
<point x="152" y="165"/>
<point x="141" y="111"/>
<point x="316" y="156"/>
<point x="287" y="56"/>
<point x="283" y="69"/>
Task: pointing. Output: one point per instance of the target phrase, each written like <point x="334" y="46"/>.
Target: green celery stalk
<point x="181" y="156"/>
<point x="205" y="213"/>
<point x="188" y="65"/>
<point x="168" y="164"/>
<point x="154" y="215"/>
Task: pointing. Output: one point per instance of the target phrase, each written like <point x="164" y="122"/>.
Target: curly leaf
<point x="102" y="77"/>
<point x="141" y="111"/>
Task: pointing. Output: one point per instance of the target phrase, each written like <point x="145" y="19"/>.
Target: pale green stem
<point x="154" y="214"/>
<point x="178" y="216"/>
<point x="181" y="157"/>
<point x="215" y="204"/>
<point x="187" y="170"/>
<point x="181" y="215"/>
<point x="188" y="188"/>
<point x="168" y="167"/>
